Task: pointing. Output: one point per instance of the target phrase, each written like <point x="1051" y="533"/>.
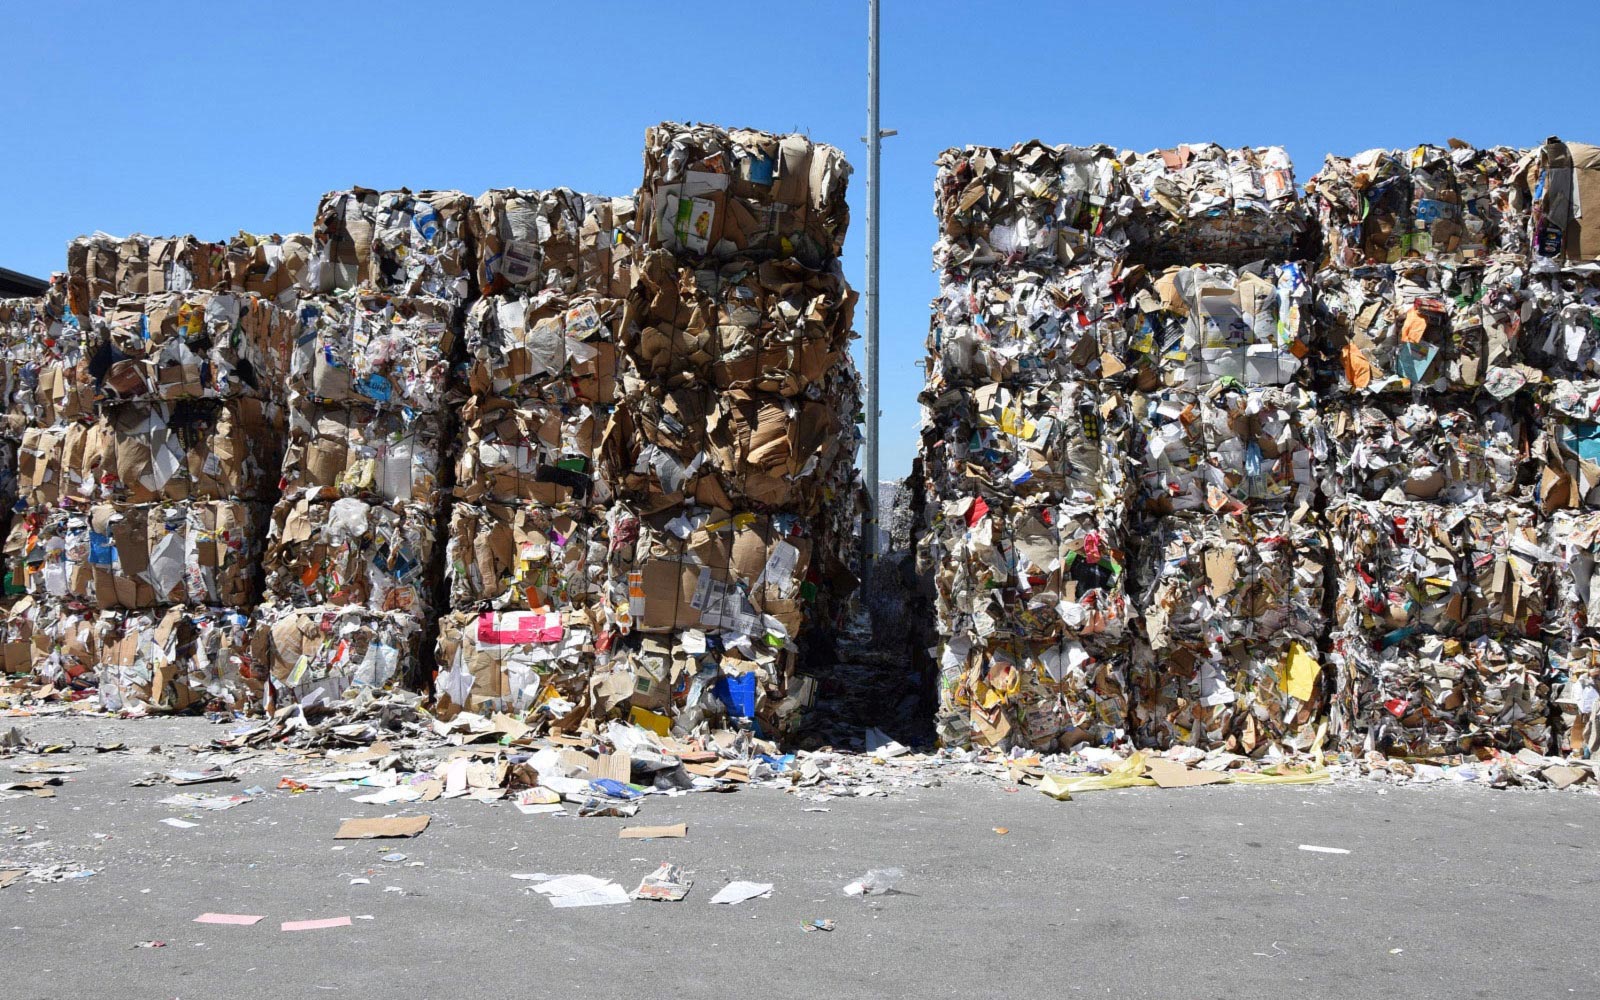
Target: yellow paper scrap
<point x="1298" y="678"/>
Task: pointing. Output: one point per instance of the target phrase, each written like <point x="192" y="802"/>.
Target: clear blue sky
<point x="214" y="117"/>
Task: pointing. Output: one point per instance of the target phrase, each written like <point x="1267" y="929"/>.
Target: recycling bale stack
<point x="526" y="553"/>
<point x="353" y="573"/>
<point x="1424" y="315"/>
<point x="155" y="426"/>
<point x="1025" y="438"/>
<point x="1564" y="339"/>
<point x="730" y="456"/>
<point x="1229" y="564"/>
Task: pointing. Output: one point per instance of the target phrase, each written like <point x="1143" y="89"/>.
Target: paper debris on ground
<point x="737" y="892"/>
<point x="387" y="826"/>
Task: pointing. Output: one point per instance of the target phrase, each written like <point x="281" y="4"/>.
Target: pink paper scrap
<point x="314" y="925"/>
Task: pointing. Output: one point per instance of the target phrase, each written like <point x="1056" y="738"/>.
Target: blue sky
<point x="211" y="118"/>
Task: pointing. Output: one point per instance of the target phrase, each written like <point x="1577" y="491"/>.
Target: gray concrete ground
<point x="1199" y="893"/>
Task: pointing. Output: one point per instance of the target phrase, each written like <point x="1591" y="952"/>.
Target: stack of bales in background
<point x="730" y="456"/>
<point x="1424" y="318"/>
<point x="526" y="553"/>
<point x="352" y="560"/>
<point x="154" y="411"/>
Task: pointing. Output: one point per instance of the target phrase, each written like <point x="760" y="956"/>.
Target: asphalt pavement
<point x="1197" y="893"/>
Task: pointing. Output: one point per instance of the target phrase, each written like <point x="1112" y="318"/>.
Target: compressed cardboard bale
<point x="1227" y="449"/>
<point x="1064" y="440"/>
<point x="188" y="345"/>
<point x="355" y="347"/>
<point x="1398" y="567"/>
<point x="1423" y="203"/>
<point x="513" y="661"/>
<point x="351" y="552"/>
<point x="272" y="266"/>
<point x="45" y="349"/>
<point x="1566" y="178"/>
<point x="771" y="327"/>
<point x="555" y="239"/>
<point x="526" y="557"/>
<point x="1023" y="325"/>
<point x="1204" y="202"/>
<point x="1573" y="670"/>
<point x="515" y="450"/>
<point x="1044" y="695"/>
<point x="1417" y="326"/>
<point x="142" y="555"/>
<point x="1444" y="449"/>
<point x="1031" y="569"/>
<point x="550" y="346"/>
<point x="1196" y="325"/>
<point x="1031" y="204"/>
<point x="1562" y="323"/>
<point x="1510" y="693"/>
<point x="395" y="242"/>
<point x="56" y="463"/>
<point x="1507" y="568"/>
<point x="54" y="641"/>
<point x="175" y="660"/>
<point x="1406" y="698"/>
<point x="1242" y="695"/>
<point x="378" y="453"/>
<point x="1570" y="547"/>
<point x="140" y="265"/>
<point x="318" y="653"/>
<point x="186" y="450"/>
<point x="716" y="192"/>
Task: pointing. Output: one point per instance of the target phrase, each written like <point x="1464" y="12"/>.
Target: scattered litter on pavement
<point x="653" y="832"/>
<point x="877" y="882"/>
<point x="314" y="925"/>
<point x="232" y="919"/>
<point x="666" y="884"/>
<point x="387" y="826"/>
<point x="1323" y="850"/>
<point x="179" y="824"/>
<point x="737" y="892"/>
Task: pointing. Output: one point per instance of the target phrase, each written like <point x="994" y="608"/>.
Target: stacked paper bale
<point x="1230" y="562"/>
<point x="25" y="332"/>
<point x="148" y="463"/>
<point x="526" y="554"/>
<point x="1026" y="430"/>
<point x="1424" y="312"/>
<point x="1563" y="338"/>
<point x="352" y="566"/>
<point x="731" y="451"/>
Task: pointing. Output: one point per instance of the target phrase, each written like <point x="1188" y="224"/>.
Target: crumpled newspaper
<point x="1440" y="449"/>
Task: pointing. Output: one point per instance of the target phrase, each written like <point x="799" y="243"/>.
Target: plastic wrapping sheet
<point x="396" y="242"/>
<point x="1062" y="440"/>
<point x="1027" y="568"/>
<point x="528" y="450"/>
<point x="175" y="660"/>
<point x="1416" y="326"/>
<point x="351" y="552"/>
<point x="1563" y="335"/>
<point x="1241" y="695"/>
<point x="1025" y="325"/>
<point x="773" y="327"/>
<point x="709" y="191"/>
<point x="1398" y="568"/>
<point x="513" y="661"/>
<point x="1565" y="179"/>
<point x="316" y="654"/>
<point x="1427" y="202"/>
<point x="188" y="345"/>
<point x="1573" y="670"/>
<point x="551" y="239"/>
<point x="1444" y="449"/>
<point x="1202" y="202"/>
<point x="1032" y="203"/>
<point x="527" y="557"/>
<point x="1227" y="449"/>
<point x="732" y="448"/>
<point x="1428" y="695"/>
<point x="149" y="452"/>
<point x="548" y="345"/>
<point x="138" y="555"/>
<point x="373" y="349"/>
<point x="1571" y="541"/>
<point x="1050" y="695"/>
<point x="1195" y="325"/>
<point x="1508" y="570"/>
<point x="380" y="453"/>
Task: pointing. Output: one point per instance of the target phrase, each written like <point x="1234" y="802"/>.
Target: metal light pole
<point x="874" y="139"/>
